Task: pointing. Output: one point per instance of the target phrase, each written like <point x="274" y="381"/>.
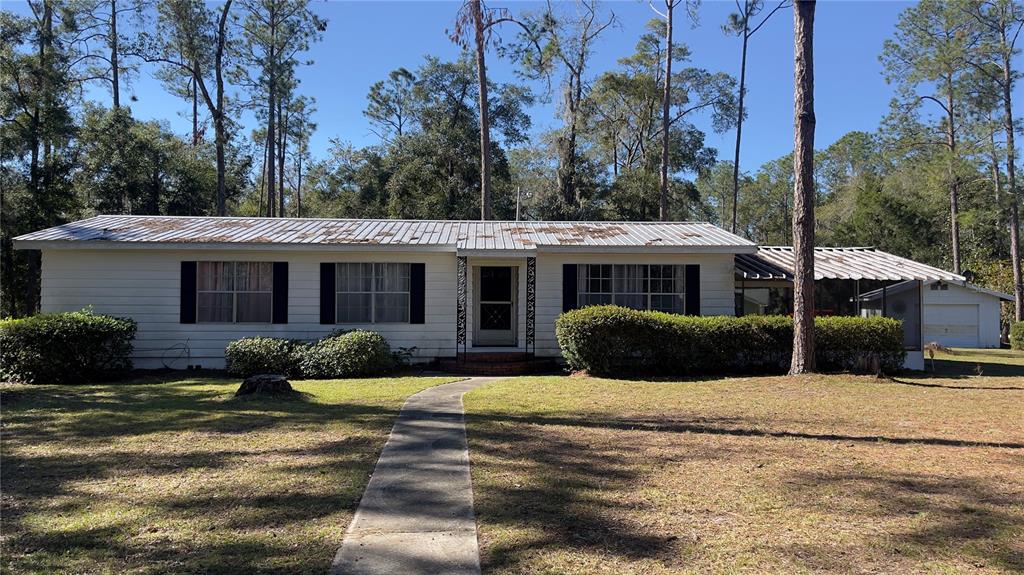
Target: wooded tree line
<point x="935" y="180"/>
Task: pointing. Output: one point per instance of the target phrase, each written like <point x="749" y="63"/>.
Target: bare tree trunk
<point x="271" y="142"/>
<point x="115" y="83"/>
<point x="666" y="100"/>
<point x="195" y="116"/>
<point x="1011" y="174"/>
<point x="485" y="121"/>
<point x="739" y="126"/>
<point x="803" y="193"/>
<point x="954" y="184"/>
<point x="218" y="119"/>
<point x="281" y="155"/>
<point x="298" y="187"/>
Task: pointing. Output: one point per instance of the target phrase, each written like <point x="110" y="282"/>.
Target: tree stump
<point x="265" y="384"/>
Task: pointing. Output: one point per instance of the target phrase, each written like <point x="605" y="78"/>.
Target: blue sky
<point x="365" y="40"/>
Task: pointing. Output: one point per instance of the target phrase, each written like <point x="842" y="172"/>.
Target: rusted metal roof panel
<point x="845" y="263"/>
<point x="458" y="235"/>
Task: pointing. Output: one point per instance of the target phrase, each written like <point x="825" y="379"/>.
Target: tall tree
<point x="740" y="23"/>
<point x="389" y="107"/>
<point x="38" y="85"/>
<point x="1001" y="22"/>
<point x="476" y="21"/>
<point x="565" y="46"/>
<point x="626" y="124"/>
<point x="666" y="98"/>
<point x="927" y="59"/>
<point x="190" y="37"/>
<point x="803" y="192"/>
<point x="100" y="41"/>
<point x="274" y="34"/>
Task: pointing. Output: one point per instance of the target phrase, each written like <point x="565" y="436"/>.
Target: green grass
<point x="837" y="474"/>
<point x="180" y="477"/>
<point x="970" y="362"/>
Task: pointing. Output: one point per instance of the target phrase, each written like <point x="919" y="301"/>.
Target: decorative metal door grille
<point x="460" y="312"/>
<point x="531" y="304"/>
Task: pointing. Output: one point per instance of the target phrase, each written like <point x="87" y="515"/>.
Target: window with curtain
<point x="637" y="286"/>
<point x="372" y="292"/>
<point x="235" y="292"/>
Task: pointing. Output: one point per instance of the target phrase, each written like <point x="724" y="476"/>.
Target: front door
<point x="496" y="306"/>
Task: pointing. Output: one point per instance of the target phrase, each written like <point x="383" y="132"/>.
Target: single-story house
<point x="444" y="288"/>
<point x="194" y="284"/>
<point x="955" y="314"/>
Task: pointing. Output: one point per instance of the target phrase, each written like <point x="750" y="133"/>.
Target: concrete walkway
<point x="416" y="515"/>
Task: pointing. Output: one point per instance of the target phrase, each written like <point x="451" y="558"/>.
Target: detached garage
<point x="954" y="315"/>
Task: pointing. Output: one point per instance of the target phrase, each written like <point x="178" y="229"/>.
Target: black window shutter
<point x="692" y="289"/>
<point x="328" y="299"/>
<point x="280" y="306"/>
<point x="188" y="292"/>
<point x="417" y="293"/>
<point x="569" y="287"/>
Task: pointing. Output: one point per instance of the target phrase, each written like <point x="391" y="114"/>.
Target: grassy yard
<point x="837" y="474"/>
<point x="179" y="477"/>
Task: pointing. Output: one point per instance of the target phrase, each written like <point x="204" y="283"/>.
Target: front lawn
<point x="838" y="474"/>
<point x="179" y="477"/>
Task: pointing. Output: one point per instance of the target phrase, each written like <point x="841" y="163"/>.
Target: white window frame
<point x="585" y="278"/>
<point x="234" y="291"/>
<point x="374" y="292"/>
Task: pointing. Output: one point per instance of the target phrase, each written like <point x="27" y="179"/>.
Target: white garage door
<point x="951" y="325"/>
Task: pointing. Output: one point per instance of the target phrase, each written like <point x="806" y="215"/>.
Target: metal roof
<point x="751" y="267"/>
<point x="903" y="286"/>
<point x="452" y="235"/>
<point x="776" y="262"/>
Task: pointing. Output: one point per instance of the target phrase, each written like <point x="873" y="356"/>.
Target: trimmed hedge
<point x="612" y="340"/>
<point x="256" y="355"/>
<point x="351" y="354"/>
<point x="58" y="348"/>
<point x="340" y="354"/>
<point x="1017" y="335"/>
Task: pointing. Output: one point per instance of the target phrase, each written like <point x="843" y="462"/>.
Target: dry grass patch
<point x="179" y="477"/>
<point x="836" y="474"/>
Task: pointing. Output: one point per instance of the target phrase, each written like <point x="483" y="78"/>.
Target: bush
<point x="611" y="340"/>
<point x="258" y="355"/>
<point x="351" y="354"/>
<point x="73" y="347"/>
<point x="1017" y="335"/>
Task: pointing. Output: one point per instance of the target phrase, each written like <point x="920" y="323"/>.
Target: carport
<point x="764" y="282"/>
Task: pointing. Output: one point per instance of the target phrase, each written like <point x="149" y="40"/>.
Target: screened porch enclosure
<point x="764" y="285"/>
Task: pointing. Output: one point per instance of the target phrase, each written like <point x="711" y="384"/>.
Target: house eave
<point x="364" y="247"/>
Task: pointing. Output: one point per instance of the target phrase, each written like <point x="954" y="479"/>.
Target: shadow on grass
<point x="944" y="386"/>
<point x="578" y="492"/>
<point x="969" y="366"/>
<point x="722" y="427"/>
<point x="958" y="515"/>
<point x="57" y="449"/>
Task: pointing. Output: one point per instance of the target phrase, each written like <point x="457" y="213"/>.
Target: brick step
<point x="520" y="367"/>
<point x="492" y="356"/>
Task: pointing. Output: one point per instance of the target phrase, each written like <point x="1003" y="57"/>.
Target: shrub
<point x="257" y="355"/>
<point x="611" y="340"/>
<point x="350" y="354"/>
<point x="1017" y="335"/>
<point x="71" y="347"/>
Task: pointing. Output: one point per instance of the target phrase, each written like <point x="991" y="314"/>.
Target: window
<point x="235" y="292"/>
<point x="653" y="287"/>
<point x="372" y="292"/>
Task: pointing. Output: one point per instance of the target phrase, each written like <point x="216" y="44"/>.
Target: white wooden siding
<point x="145" y="285"/>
